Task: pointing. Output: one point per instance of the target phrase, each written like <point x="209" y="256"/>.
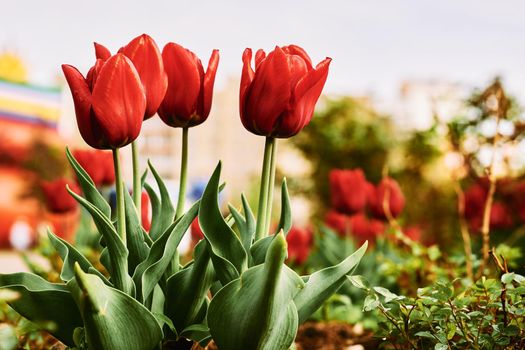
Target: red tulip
<point x="340" y="223"/>
<point x="348" y="190"/>
<point x="278" y="98"/>
<point x="196" y="231"/>
<point x="190" y="90"/>
<point x="299" y="245"/>
<point x="109" y="103"/>
<point x="387" y="188"/>
<point x="57" y="199"/>
<point x="500" y="218"/>
<point x="146" y="57"/>
<point x="144" y="212"/>
<point x="98" y="164"/>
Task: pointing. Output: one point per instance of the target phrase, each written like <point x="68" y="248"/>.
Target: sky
<point x="375" y="45"/>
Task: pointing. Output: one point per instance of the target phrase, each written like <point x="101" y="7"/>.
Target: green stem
<point x="271" y="185"/>
<point x="183" y="174"/>
<point x="263" y="193"/>
<point x="137" y="187"/>
<point x="119" y="186"/>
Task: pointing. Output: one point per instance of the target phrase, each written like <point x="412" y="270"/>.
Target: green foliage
<point x="488" y="315"/>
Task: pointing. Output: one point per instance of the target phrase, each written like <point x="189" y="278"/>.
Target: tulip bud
<point x="277" y="99"/>
<point x="109" y="103"/>
<point x="348" y="189"/>
<point x="188" y="98"/>
<point x="144" y="212"/>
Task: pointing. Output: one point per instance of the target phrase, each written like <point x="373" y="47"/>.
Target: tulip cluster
<point x="359" y="208"/>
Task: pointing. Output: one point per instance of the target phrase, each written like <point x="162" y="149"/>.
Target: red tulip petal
<point x="246" y="79"/>
<point x="91" y="77"/>
<point x="269" y="94"/>
<point x="185" y="75"/>
<point x="304" y="98"/>
<point x="101" y="52"/>
<point x="119" y="101"/>
<point x="207" y="85"/>
<point x="260" y="55"/>
<point x="299" y="51"/>
<point x="147" y="59"/>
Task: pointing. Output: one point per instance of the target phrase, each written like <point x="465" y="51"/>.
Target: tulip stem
<point x="119" y="186"/>
<point x="263" y="193"/>
<point x="183" y="174"/>
<point x="271" y="185"/>
<point x="137" y="186"/>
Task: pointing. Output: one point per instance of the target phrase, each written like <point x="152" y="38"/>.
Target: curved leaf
<point x="164" y="216"/>
<point x="285" y="222"/>
<point x="44" y="301"/>
<point x="70" y="255"/>
<point x="88" y="186"/>
<point x="257" y="311"/>
<point x="187" y="290"/>
<point x="322" y="284"/>
<point x="227" y="253"/>
<point x="116" y="250"/>
<point x="150" y="271"/>
<point x="112" y="319"/>
<point x="246" y="223"/>
<point x="138" y="249"/>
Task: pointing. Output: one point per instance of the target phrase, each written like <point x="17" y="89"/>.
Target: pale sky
<point x="374" y="44"/>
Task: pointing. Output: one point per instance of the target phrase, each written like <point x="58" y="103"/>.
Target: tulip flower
<point x="147" y="59"/>
<point x="57" y="199"/>
<point x="196" y="231"/>
<point x="145" y="217"/>
<point x="109" y="103"/>
<point x="388" y="194"/>
<point x="277" y="99"/>
<point x="348" y="189"/>
<point x="340" y="223"/>
<point x="188" y="98"/>
<point x="300" y="242"/>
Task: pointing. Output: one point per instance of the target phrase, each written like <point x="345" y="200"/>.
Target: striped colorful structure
<point x="30" y="104"/>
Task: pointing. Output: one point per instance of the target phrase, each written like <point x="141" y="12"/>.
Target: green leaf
<point x="358" y="282"/>
<point x="199" y="333"/>
<point x="116" y="250"/>
<point x="112" y="319"/>
<point x="507" y="277"/>
<point x="322" y="284"/>
<point x="70" y="255"/>
<point x="188" y="288"/>
<point x="150" y="271"/>
<point x="163" y="212"/>
<point x="138" y="249"/>
<point x="246" y="223"/>
<point x="259" y="249"/>
<point x="389" y="296"/>
<point x="8" y="337"/>
<point x="370" y="303"/>
<point x="88" y="186"/>
<point x="285" y="222"/>
<point x="227" y="253"/>
<point x="41" y="300"/>
<point x="257" y="311"/>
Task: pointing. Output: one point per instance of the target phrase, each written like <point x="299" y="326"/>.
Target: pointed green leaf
<point x="150" y="271"/>
<point x="188" y="288"/>
<point x="257" y="311"/>
<point x="164" y="215"/>
<point x="138" y="249"/>
<point x="88" y="186"/>
<point x="117" y="251"/>
<point x="246" y="223"/>
<point x="41" y="300"/>
<point x="322" y="284"/>
<point x="199" y="333"/>
<point x="227" y="253"/>
<point x="112" y="319"/>
<point x="285" y="222"/>
<point x="259" y="249"/>
<point x="70" y="255"/>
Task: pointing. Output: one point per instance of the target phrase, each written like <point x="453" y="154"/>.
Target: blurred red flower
<point x="56" y="197"/>
<point x="348" y="189"/>
<point x="196" y="231"/>
<point x="144" y="211"/>
<point x="98" y="164"/>
<point x="300" y="242"/>
<point x="387" y="190"/>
